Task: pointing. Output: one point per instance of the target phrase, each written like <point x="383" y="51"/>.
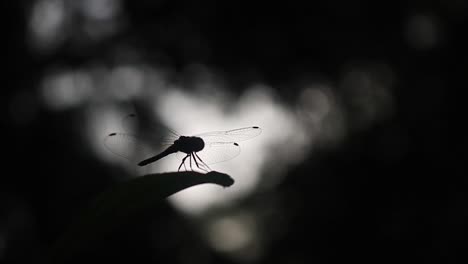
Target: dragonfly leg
<point x="196" y="163"/>
<point x="190" y="161"/>
<point x="183" y="163"/>
<point x="203" y="166"/>
<point x="202" y="162"/>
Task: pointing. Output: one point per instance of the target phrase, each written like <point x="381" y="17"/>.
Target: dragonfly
<point x="201" y="149"/>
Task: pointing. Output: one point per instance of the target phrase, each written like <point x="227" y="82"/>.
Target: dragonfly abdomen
<point x="169" y="150"/>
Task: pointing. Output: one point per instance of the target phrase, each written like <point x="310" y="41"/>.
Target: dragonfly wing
<point x="216" y="152"/>
<point x="234" y="135"/>
<point x="148" y="130"/>
<point x="129" y="147"/>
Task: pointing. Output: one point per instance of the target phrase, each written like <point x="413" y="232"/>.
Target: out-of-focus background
<point x="360" y="157"/>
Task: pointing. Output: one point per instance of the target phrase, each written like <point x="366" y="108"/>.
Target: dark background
<point x="393" y="191"/>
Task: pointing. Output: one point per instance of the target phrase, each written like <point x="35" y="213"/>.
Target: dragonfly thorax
<point x="189" y="144"/>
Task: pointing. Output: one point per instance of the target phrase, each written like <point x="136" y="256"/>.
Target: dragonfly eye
<point x="235" y="144"/>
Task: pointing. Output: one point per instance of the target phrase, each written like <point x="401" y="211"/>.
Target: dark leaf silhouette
<point x="119" y="204"/>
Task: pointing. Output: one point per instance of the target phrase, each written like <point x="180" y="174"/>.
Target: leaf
<point x="116" y="206"/>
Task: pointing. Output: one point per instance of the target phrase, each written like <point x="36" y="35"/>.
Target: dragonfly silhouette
<point x="201" y="149"/>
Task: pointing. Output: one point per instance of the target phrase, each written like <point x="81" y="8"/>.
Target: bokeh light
<point x="423" y="32"/>
<point x="235" y="235"/>
<point x="54" y="22"/>
<point x="47" y="24"/>
<point x="367" y="89"/>
<point x="281" y="141"/>
<point x="65" y="89"/>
